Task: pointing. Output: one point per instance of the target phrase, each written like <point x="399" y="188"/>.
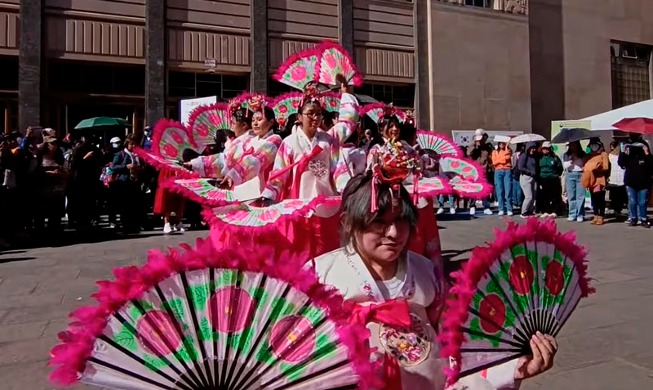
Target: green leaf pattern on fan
<point x="126" y="339"/>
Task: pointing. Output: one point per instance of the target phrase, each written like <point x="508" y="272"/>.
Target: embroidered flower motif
<point x="318" y="168"/>
<point x="410" y="346"/>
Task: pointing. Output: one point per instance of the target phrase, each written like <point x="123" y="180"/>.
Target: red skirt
<point x="166" y="201"/>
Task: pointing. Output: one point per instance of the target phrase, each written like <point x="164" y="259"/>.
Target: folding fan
<point x="286" y="105"/>
<point x="299" y="69"/>
<point x="463" y="167"/>
<point x="470" y="189"/>
<point x="202" y="191"/>
<point x="206" y="121"/>
<point x="428" y="187"/>
<point x="159" y="162"/>
<point x="331" y="101"/>
<point x="197" y="319"/>
<point x="334" y="60"/>
<point x="376" y="111"/>
<point x="437" y="143"/>
<point x="530" y="278"/>
<point x="247" y="215"/>
<point x="170" y="139"/>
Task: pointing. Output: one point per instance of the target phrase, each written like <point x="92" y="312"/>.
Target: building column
<point x="547" y="64"/>
<point x="30" y="62"/>
<point x="421" y="11"/>
<point x="155" y="61"/>
<point x="346" y="25"/>
<point x="259" y="58"/>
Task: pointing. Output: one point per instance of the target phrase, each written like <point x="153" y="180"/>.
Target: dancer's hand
<point x="544" y="348"/>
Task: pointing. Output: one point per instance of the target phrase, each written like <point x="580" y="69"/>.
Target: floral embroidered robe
<point x="415" y="348"/>
<point x="256" y="161"/>
<point x="217" y="165"/>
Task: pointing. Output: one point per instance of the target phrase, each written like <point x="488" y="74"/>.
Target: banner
<point x="187" y="106"/>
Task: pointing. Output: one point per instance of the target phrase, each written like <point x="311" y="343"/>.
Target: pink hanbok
<point x="217" y="165"/>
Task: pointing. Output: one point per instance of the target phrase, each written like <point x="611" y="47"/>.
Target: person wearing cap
<point x="529" y="167"/>
<point x="549" y="183"/>
<point x="481" y="152"/>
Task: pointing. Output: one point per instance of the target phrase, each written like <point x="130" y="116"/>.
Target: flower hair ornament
<point x="312" y="94"/>
<point x="392" y="165"/>
<point x="235" y="106"/>
<point x="256" y="103"/>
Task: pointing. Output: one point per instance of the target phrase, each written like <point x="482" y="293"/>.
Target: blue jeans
<point x="517" y="193"/>
<point x="637" y="204"/>
<point x="441" y="201"/>
<point x="575" y="194"/>
<point x="503" y="188"/>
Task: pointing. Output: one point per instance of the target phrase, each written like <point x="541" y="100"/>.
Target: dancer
<point x="305" y="168"/>
<point x="374" y="268"/>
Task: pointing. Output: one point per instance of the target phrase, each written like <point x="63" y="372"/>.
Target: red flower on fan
<point x="177" y="137"/>
<point x="521" y="275"/>
<point x="493" y="313"/>
<point x="231" y="309"/>
<point x="151" y="326"/>
<point x="298" y="74"/>
<point x="202" y="131"/>
<point x="170" y="151"/>
<point x="283" y="109"/>
<point x="554" y="278"/>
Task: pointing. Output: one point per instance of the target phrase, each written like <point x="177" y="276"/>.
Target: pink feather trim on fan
<point x="467" y="279"/>
<point x="160" y="127"/>
<point x="187" y="193"/>
<point x="357" y="80"/>
<point x="283" y="68"/>
<point x="131" y="282"/>
<point x="160" y="165"/>
<point x="201" y="110"/>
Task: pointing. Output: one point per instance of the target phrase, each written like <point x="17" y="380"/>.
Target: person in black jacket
<point x="528" y="166"/>
<point x="637" y="162"/>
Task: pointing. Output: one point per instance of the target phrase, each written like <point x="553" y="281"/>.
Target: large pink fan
<point x="464" y="167"/>
<point x="471" y="189"/>
<point x="428" y="187"/>
<point x="198" y="319"/>
<point x="159" y="162"/>
<point x="205" y="122"/>
<point x="334" y="60"/>
<point x="170" y="139"/>
<point x="299" y="69"/>
<point x="376" y="111"/>
<point x="286" y="105"/>
<point x="202" y="191"/>
<point x="437" y="143"/>
<point x="249" y="216"/>
<point x="529" y="279"/>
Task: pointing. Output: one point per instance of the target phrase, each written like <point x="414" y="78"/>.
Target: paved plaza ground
<point x="606" y="344"/>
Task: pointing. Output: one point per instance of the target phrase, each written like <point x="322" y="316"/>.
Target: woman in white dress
<point x="374" y="269"/>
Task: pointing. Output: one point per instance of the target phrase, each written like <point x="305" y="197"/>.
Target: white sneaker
<point x="571" y="219"/>
<point x="472" y="210"/>
<point x="544" y="215"/>
<point x="167" y="229"/>
<point x="553" y="215"/>
<point x="487" y="212"/>
<point x="510" y="213"/>
<point x="501" y="212"/>
<point x="180" y="227"/>
<point x="452" y="211"/>
<point x="440" y="211"/>
<point x="580" y="219"/>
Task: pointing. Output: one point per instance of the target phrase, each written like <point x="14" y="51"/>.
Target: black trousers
<point x="598" y="203"/>
<point x="618" y="198"/>
<point x="550" y="195"/>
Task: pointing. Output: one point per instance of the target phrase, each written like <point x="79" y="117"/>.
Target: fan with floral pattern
<point x="206" y="121"/>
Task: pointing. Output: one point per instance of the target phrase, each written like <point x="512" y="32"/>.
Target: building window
<point x="96" y="78"/>
<point x="9" y="70"/>
<point x="187" y="85"/>
<point x="631" y="73"/>
<point x="401" y="95"/>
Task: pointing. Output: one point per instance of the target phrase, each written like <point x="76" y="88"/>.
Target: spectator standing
<point x="502" y="164"/>
<point x="572" y="163"/>
<point x="549" y="182"/>
<point x="638" y="165"/>
<point x="481" y="152"/>
<point x="528" y="175"/>
<point x="595" y="173"/>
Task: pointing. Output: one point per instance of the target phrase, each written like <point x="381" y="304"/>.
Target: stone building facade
<point x="463" y="64"/>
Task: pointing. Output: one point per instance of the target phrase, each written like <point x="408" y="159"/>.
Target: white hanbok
<point x="415" y="348"/>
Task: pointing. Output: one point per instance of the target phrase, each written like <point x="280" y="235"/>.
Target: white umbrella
<point x="529" y="137"/>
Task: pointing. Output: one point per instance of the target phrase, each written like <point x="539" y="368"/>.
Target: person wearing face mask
<point x="595" y="173"/>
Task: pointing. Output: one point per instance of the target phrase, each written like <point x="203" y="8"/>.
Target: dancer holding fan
<point x="374" y="267"/>
<point x="305" y="168"/>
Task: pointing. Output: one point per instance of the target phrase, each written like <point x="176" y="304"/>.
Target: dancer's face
<point x="311" y="118"/>
<point x="384" y="239"/>
<point x="260" y="124"/>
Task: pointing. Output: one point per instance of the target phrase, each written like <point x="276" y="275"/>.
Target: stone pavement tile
<point x="644" y="360"/>
<point x="612" y="375"/>
<point x="32" y="376"/>
<point x="29" y="300"/>
<point x="19" y="284"/>
<point x="26" y="351"/>
<point x="21" y="315"/>
<point x="18" y="332"/>
<point x="634" y="289"/>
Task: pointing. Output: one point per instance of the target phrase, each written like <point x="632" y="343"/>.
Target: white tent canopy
<point x="605" y="120"/>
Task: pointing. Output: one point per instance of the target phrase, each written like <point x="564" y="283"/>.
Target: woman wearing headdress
<point x="396" y="290"/>
<point x="215" y="166"/>
<point x="305" y="165"/>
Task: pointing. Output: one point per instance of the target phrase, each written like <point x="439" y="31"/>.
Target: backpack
<point x="108" y="176"/>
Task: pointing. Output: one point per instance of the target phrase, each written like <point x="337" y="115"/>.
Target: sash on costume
<point x="301" y="165"/>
